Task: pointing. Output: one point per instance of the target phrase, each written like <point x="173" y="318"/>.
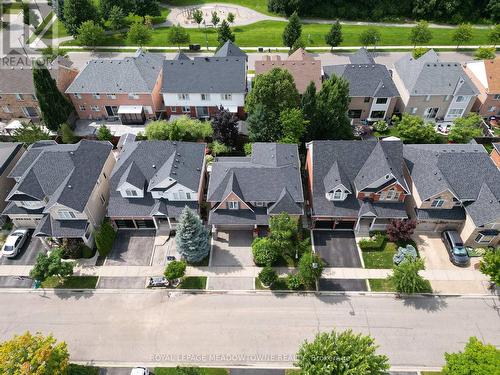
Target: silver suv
<point x="455" y="247"/>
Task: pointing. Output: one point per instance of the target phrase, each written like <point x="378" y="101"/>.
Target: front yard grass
<point x="381" y="285"/>
<point x="279" y="284"/>
<point x="201" y="371"/>
<point x="56" y="30"/>
<point x="72" y="282"/>
<point x="380" y="258"/>
<point x="193" y="282"/>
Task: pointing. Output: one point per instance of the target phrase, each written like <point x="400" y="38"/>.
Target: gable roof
<point x="181" y="56"/>
<point x="361" y="56"/>
<point x="137" y="74"/>
<point x="63" y="174"/>
<point x="428" y="76"/>
<point x="205" y="75"/>
<point x="260" y="177"/>
<point x="285" y="203"/>
<point x="229" y="49"/>
<point x="8" y="151"/>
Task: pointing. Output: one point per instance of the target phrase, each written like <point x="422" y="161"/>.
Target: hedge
<point x="104" y="238"/>
<point x="376" y="243"/>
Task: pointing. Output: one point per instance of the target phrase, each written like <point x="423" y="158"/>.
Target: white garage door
<point x="25" y="223"/>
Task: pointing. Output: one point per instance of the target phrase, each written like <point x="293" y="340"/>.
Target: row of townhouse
<point x="66" y="191"/>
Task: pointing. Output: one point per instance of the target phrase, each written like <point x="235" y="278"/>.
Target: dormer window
<point x="438" y="202"/>
<point x="233" y="205"/>
<point x="66" y="214"/>
<point x="131" y="193"/>
<point x="336" y="195"/>
<point x="391" y="195"/>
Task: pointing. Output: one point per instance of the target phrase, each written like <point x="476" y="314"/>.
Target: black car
<point x="455" y="247"/>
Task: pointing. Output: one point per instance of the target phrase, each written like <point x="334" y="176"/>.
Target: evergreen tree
<point x="145" y="8"/>
<point x="263" y="125"/>
<point x="224" y="33"/>
<point x="215" y="19"/>
<point x="332" y="105"/>
<point x="30" y="133"/>
<point x="309" y="109"/>
<point x="192" y="237"/>
<point x="292" y="31"/>
<point x="76" y="12"/>
<point x="67" y="134"/>
<point x="55" y="107"/>
<point x="334" y="36"/>
<point x="116" y="18"/>
<point x="104" y="134"/>
<point x="225" y="126"/>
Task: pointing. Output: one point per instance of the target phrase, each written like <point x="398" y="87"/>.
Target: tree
<point x="334" y="36"/>
<point x="198" y="16"/>
<point x="224" y="33"/>
<point x="420" y="34"/>
<point x="462" y="34"/>
<point x="494" y="35"/>
<point x="490" y="265"/>
<point x="192" y="237"/>
<point x="104" y="134"/>
<point x="30" y="133"/>
<point x="175" y="270"/>
<point x="76" y="12"/>
<point x="178" y="35"/>
<point x="283" y="234"/>
<point x="267" y="276"/>
<point x="332" y="103"/>
<point x="405" y="277"/>
<point x="90" y="34"/>
<point x="116" y="18"/>
<point x="218" y="148"/>
<point x="293" y="125"/>
<point x="26" y="13"/>
<point x="230" y="17"/>
<point x="368" y="37"/>
<point x="412" y="129"/>
<point x="264" y="254"/>
<point x="106" y="7"/>
<point x="51" y="265"/>
<point x="55" y="107"/>
<point x="484" y="53"/>
<point x="145" y="8"/>
<point x="401" y="230"/>
<point x="262" y="125"/>
<point x="341" y="353"/>
<point x="299" y="43"/>
<point x="215" y="18"/>
<point x="477" y="359"/>
<point x="464" y="129"/>
<point x="225" y="127"/>
<point x="139" y="33"/>
<point x="418" y="52"/>
<point x="309" y="110"/>
<point x="292" y="31"/>
<point x="104" y="238"/>
<point x="50" y="53"/>
<point x="310" y="268"/>
<point x="180" y="129"/>
<point x="67" y="134"/>
<point x="33" y="354"/>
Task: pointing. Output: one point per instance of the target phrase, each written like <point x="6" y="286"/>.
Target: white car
<point x="14" y="243"/>
<point x="139" y="371"/>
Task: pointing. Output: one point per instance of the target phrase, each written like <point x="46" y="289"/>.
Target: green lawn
<point x="193" y="282"/>
<point x="380" y="285"/>
<point x="46" y="20"/>
<point x="258" y="5"/>
<point x="380" y="258"/>
<point x="431" y="372"/>
<point x="56" y="30"/>
<point x="201" y="371"/>
<point x="72" y="282"/>
<point x="292" y="372"/>
<point x="268" y="34"/>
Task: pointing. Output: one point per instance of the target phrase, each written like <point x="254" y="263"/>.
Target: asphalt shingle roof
<point x="229" y="49"/>
<point x="8" y="151"/>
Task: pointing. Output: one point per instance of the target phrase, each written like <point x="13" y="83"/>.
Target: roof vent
<point x="69" y="186"/>
<point x="154" y="166"/>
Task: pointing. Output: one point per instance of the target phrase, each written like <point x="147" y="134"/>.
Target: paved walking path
<point x="328" y="273"/>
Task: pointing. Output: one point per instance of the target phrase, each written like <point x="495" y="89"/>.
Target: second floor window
<point x="183" y="96"/>
<point x="131" y="193"/>
<point x="77" y="96"/>
<point x="82" y="108"/>
<point x="391" y="195"/>
<point x="96" y="96"/>
<point x="381" y="100"/>
<point x="19" y="97"/>
<point x="438" y="202"/>
<point x="95" y="108"/>
<point x="66" y="214"/>
<point x="233" y="205"/>
<point x="133" y="96"/>
<point x="111" y="96"/>
<point x="460" y="99"/>
<point x="337" y="195"/>
<point x="227" y="96"/>
<point x="496" y="97"/>
<point x="205" y="96"/>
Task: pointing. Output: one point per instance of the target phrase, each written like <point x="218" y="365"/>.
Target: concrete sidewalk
<point x="246" y="272"/>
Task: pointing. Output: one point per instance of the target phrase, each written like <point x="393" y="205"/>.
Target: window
<point x="377" y="114"/>
<point x="30" y="203"/>
<point x="227" y="96"/>
<point x="6" y="109"/>
<point x="205" y="96"/>
<point x="103" y="200"/>
<point x="381" y="100"/>
<point x="111" y="96"/>
<point x="337" y="195"/>
<point x="460" y="99"/>
<point x="186" y="109"/>
<point x="485" y="237"/>
<point x="30" y="111"/>
<point x="414" y="110"/>
<point x="492" y="109"/>
<point x="367" y="99"/>
<point x="354" y="113"/>
<point x="133" y="96"/>
<point x="19" y="97"/>
<point x="259" y="204"/>
<point x="392" y="195"/>
<point x="232" y="205"/>
<point x="131" y="193"/>
<point x="66" y="214"/>
<point x="496" y="97"/>
<point x="188" y="196"/>
<point x="446" y="98"/>
<point x="431" y="112"/>
<point x="427" y="98"/>
<point x="183" y="96"/>
<point x="82" y="108"/>
<point x="438" y="202"/>
<point x="94" y="108"/>
<point x="77" y="96"/>
<point x="455" y="112"/>
<point x="96" y="96"/>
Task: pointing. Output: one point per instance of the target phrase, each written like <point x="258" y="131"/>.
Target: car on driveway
<point x="455" y="247"/>
<point x="139" y="371"/>
<point x="14" y="243"/>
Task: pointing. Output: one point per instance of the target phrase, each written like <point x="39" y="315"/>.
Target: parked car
<point x="14" y="243"/>
<point x="170" y="258"/>
<point x="139" y="371"/>
<point x="455" y="247"/>
<point x="157" y="282"/>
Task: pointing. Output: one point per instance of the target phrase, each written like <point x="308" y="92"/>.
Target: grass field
<point x="268" y="34"/>
<point x="380" y="285"/>
<point x="380" y="258"/>
<point x="56" y="30"/>
<point x="194" y="282"/>
<point x="72" y="282"/>
<point x="201" y="371"/>
<point x="258" y="5"/>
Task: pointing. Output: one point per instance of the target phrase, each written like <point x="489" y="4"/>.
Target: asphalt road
<point x="160" y="328"/>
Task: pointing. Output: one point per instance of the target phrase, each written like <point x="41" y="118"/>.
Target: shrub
<point x="294" y="282"/>
<point x="87" y="252"/>
<point x="401" y="230"/>
<point x="219" y="148"/>
<point x="263" y="253"/>
<point x="406" y="279"/>
<point x="310" y="268"/>
<point x="380" y="126"/>
<point x="267" y="276"/>
<point x="104" y="134"/>
<point x="248" y="148"/>
<point x="490" y="265"/>
<point x="175" y="270"/>
<point x="104" y="238"/>
<point x="375" y="243"/>
<point x="484" y="53"/>
<point x="417" y="52"/>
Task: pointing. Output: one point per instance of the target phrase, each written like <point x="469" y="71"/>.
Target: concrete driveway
<point x="232" y="248"/>
<point x="337" y="248"/>
<point x="27" y="255"/>
<point x="132" y="248"/>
